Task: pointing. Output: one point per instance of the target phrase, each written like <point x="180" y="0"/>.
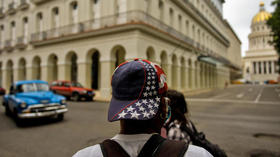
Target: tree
<point x="274" y="23"/>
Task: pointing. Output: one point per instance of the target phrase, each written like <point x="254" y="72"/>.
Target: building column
<point x="272" y="67"/>
<point x="206" y="78"/>
<point x="83" y="75"/>
<point x="169" y="74"/>
<point x="178" y="78"/>
<point x="105" y="82"/>
<point x="209" y="77"/>
<point x="186" y="78"/>
<point x="197" y="70"/>
<point x="267" y="67"/>
<point x="29" y="71"/>
<point x="257" y="68"/>
<point x="6" y="82"/>
<point x="16" y="73"/>
<point x="63" y="71"/>
<point x="190" y="77"/>
<point x="44" y="72"/>
<point x="202" y="77"/>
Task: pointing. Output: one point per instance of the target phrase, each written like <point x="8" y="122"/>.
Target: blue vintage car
<point x="33" y="99"/>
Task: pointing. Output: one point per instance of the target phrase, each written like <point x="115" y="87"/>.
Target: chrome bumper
<point x="47" y="111"/>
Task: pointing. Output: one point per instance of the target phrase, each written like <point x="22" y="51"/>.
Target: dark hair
<point x="178" y="105"/>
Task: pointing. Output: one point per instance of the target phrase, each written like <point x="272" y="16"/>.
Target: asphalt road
<point x="243" y="120"/>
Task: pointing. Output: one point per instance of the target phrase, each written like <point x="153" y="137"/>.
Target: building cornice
<point x="230" y="28"/>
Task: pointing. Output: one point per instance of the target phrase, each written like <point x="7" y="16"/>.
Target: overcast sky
<point x="239" y="14"/>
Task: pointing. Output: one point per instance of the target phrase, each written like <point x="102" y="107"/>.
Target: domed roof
<point x="262" y="15"/>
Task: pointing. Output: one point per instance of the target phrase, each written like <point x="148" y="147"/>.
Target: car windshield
<point x="76" y="84"/>
<point x="34" y="87"/>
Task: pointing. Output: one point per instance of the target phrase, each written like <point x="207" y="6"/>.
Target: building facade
<point x="260" y="62"/>
<point x="84" y="40"/>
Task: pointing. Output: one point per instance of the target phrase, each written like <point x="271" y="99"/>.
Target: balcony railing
<point x="11" y="8"/>
<point x="132" y="17"/>
<point x="8" y="45"/>
<point x="23" y="5"/>
<point x="2" y="14"/>
<point x="21" y="42"/>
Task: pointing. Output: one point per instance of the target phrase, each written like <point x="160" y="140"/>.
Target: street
<point x="244" y="120"/>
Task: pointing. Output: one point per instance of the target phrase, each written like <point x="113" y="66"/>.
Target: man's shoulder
<point x="94" y="151"/>
<point x="195" y="151"/>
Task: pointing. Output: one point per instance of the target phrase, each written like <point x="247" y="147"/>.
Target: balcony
<point x="23" y="5"/>
<point x="2" y="14"/>
<point x="21" y="42"/>
<point x="8" y="46"/>
<point x="95" y="26"/>
<point x="11" y="9"/>
<point x="37" y="2"/>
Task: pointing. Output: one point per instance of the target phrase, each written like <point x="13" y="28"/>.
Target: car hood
<point x="39" y="97"/>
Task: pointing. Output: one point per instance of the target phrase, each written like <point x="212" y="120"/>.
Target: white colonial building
<point x="85" y="40"/>
<point x="260" y="62"/>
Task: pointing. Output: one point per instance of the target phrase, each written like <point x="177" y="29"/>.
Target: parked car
<point x="72" y="90"/>
<point x="33" y="99"/>
<point x="270" y="82"/>
<point x="2" y="91"/>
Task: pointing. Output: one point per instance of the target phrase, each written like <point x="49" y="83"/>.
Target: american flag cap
<point x="137" y="87"/>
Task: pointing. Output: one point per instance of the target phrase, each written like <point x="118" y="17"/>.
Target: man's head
<point x="137" y="90"/>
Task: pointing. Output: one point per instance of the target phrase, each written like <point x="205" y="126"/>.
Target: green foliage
<point x="274" y="23"/>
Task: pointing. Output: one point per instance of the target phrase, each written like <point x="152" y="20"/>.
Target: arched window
<point x="95" y="9"/>
<point x="13" y="32"/>
<point x="193" y="32"/>
<point x="187" y="28"/>
<point x="39" y="22"/>
<point x="95" y="1"/>
<point x="161" y="8"/>
<point x="2" y="34"/>
<point x="74" y="12"/>
<point x="25" y="29"/>
<point x="180" y="23"/>
<point x="171" y="14"/>
<point x="95" y="70"/>
<point x="55" y="17"/>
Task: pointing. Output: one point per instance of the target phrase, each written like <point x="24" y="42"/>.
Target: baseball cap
<point x="137" y="87"/>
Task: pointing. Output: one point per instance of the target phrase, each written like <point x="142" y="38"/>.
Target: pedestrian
<point x="139" y="102"/>
<point x="181" y="128"/>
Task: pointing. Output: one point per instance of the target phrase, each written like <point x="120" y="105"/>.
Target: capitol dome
<point x="262" y="15"/>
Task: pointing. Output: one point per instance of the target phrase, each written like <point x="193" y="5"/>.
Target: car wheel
<point x="76" y="97"/>
<point x="19" y="121"/>
<point x="89" y="99"/>
<point x="60" y="117"/>
<point x="68" y="97"/>
<point x="7" y="110"/>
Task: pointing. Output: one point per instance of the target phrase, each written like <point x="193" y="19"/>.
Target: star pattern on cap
<point x="147" y="104"/>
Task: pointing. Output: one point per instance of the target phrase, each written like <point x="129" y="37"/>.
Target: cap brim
<point x="118" y="106"/>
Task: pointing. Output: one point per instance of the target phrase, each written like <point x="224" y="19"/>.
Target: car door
<point x="59" y="88"/>
<point x="67" y="88"/>
<point x="11" y="98"/>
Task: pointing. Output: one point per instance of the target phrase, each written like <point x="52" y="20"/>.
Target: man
<point x="138" y="101"/>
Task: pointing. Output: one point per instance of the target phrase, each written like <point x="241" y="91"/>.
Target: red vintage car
<point x="2" y="91"/>
<point x="72" y="90"/>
